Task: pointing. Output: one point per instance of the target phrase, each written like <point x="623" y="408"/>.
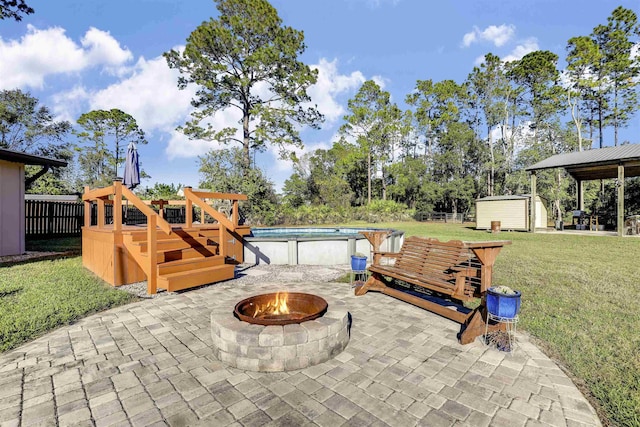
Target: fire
<point x="276" y="306"/>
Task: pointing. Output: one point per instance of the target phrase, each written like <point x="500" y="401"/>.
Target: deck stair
<point x="184" y="259"/>
<point x="169" y="256"/>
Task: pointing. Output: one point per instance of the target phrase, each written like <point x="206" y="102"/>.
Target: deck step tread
<point x="169" y="255"/>
<point x="173" y="244"/>
<point x="192" y="278"/>
<point x="189" y="264"/>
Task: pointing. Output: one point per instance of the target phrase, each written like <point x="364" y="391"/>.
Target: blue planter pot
<point x="358" y="263"/>
<point x="502" y="305"/>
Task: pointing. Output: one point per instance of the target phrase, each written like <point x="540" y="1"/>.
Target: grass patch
<point x="41" y="296"/>
<point x="579" y="296"/>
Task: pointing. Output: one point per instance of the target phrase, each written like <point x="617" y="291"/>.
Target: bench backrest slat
<point x="416" y="250"/>
<point x="427" y="257"/>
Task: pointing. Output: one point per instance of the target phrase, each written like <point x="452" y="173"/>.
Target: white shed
<point x="511" y="211"/>
<point x="12" y="186"/>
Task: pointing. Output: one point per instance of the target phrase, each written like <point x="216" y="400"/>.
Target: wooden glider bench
<point x="456" y="270"/>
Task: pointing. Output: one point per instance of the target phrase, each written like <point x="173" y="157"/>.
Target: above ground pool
<point x="312" y="246"/>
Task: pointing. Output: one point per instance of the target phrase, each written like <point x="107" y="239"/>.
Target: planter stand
<point x="510" y="324"/>
<point x="358" y="270"/>
<point x="358" y="277"/>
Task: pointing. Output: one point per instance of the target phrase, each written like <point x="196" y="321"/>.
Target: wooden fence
<point x="441" y="216"/>
<point x="46" y="219"/>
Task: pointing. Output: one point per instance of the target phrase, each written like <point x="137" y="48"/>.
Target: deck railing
<point x="197" y="198"/>
<point x="102" y="196"/>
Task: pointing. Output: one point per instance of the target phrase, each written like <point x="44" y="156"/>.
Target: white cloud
<point x="479" y="61"/>
<point x="527" y="46"/>
<point x="69" y="105"/>
<point x="498" y="35"/>
<point x="101" y="48"/>
<point x="380" y="81"/>
<point x="331" y="84"/>
<point x="281" y="165"/>
<point x="470" y="38"/>
<point x="40" y="53"/>
<point x="150" y="94"/>
<point x="180" y="146"/>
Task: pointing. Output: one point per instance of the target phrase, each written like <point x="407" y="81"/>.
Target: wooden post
<point x="152" y="253"/>
<point x="581" y="195"/>
<point x="376" y="238"/>
<point x="222" y="244"/>
<point x="161" y="203"/>
<point x="117" y="206"/>
<point x="532" y="213"/>
<point x="100" y="203"/>
<point x="87" y="209"/>
<point x="188" y="209"/>
<point x="620" y="185"/>
<point x="235" y="214"/>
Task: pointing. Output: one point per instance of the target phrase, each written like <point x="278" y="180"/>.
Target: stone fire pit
<point x="264" y="309"/>
<point x="277" y="348"/>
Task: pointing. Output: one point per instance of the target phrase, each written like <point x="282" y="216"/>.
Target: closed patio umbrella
<point x="131" y="177"/>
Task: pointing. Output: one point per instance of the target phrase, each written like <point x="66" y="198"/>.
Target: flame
<point x="274" y="307"/>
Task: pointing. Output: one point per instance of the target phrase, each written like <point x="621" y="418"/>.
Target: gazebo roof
<point x="28" y="159"/>
<point x="595" y="164"/>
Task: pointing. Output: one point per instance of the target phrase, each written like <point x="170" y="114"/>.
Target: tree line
<point x="459" y="141"/>
<point x="452" y="143"/>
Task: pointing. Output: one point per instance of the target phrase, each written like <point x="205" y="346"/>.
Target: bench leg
<point x="374" y="283"/>
<point x="476" y="325"/>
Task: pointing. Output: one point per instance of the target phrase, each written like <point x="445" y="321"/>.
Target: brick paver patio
<point x="151" y="363"/>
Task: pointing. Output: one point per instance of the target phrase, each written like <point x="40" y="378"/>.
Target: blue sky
<point x="79" y="55"/>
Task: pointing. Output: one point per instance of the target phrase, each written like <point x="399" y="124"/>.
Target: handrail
<point x="146" y="210"/>
<point x="194" y="198"/>
<point x="98" y="193"/>
<point x="213" y="195"/>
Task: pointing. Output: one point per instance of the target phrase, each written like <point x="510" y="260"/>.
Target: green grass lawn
<point x="579" y="299"/>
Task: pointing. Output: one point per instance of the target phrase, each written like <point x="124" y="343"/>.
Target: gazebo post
<point x="620" y="185"/>
<point x="532" y="211"/>
<point x="580" y="194"/>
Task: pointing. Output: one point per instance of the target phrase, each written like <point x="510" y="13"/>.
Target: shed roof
<point x="507" y="197"/>
<point x="52" y="197"/>
<point x="29" y="159"/>
<point x="595" y="164"/>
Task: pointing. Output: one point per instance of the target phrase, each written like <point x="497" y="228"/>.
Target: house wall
<point x="11" y="208"/>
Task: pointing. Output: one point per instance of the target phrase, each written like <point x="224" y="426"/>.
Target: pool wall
<point x="325" y="250"/>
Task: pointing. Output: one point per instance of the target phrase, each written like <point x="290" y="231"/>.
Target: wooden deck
<point x="167" y="256"/>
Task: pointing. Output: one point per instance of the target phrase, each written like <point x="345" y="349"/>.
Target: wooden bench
<point x="456" y="270"/>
